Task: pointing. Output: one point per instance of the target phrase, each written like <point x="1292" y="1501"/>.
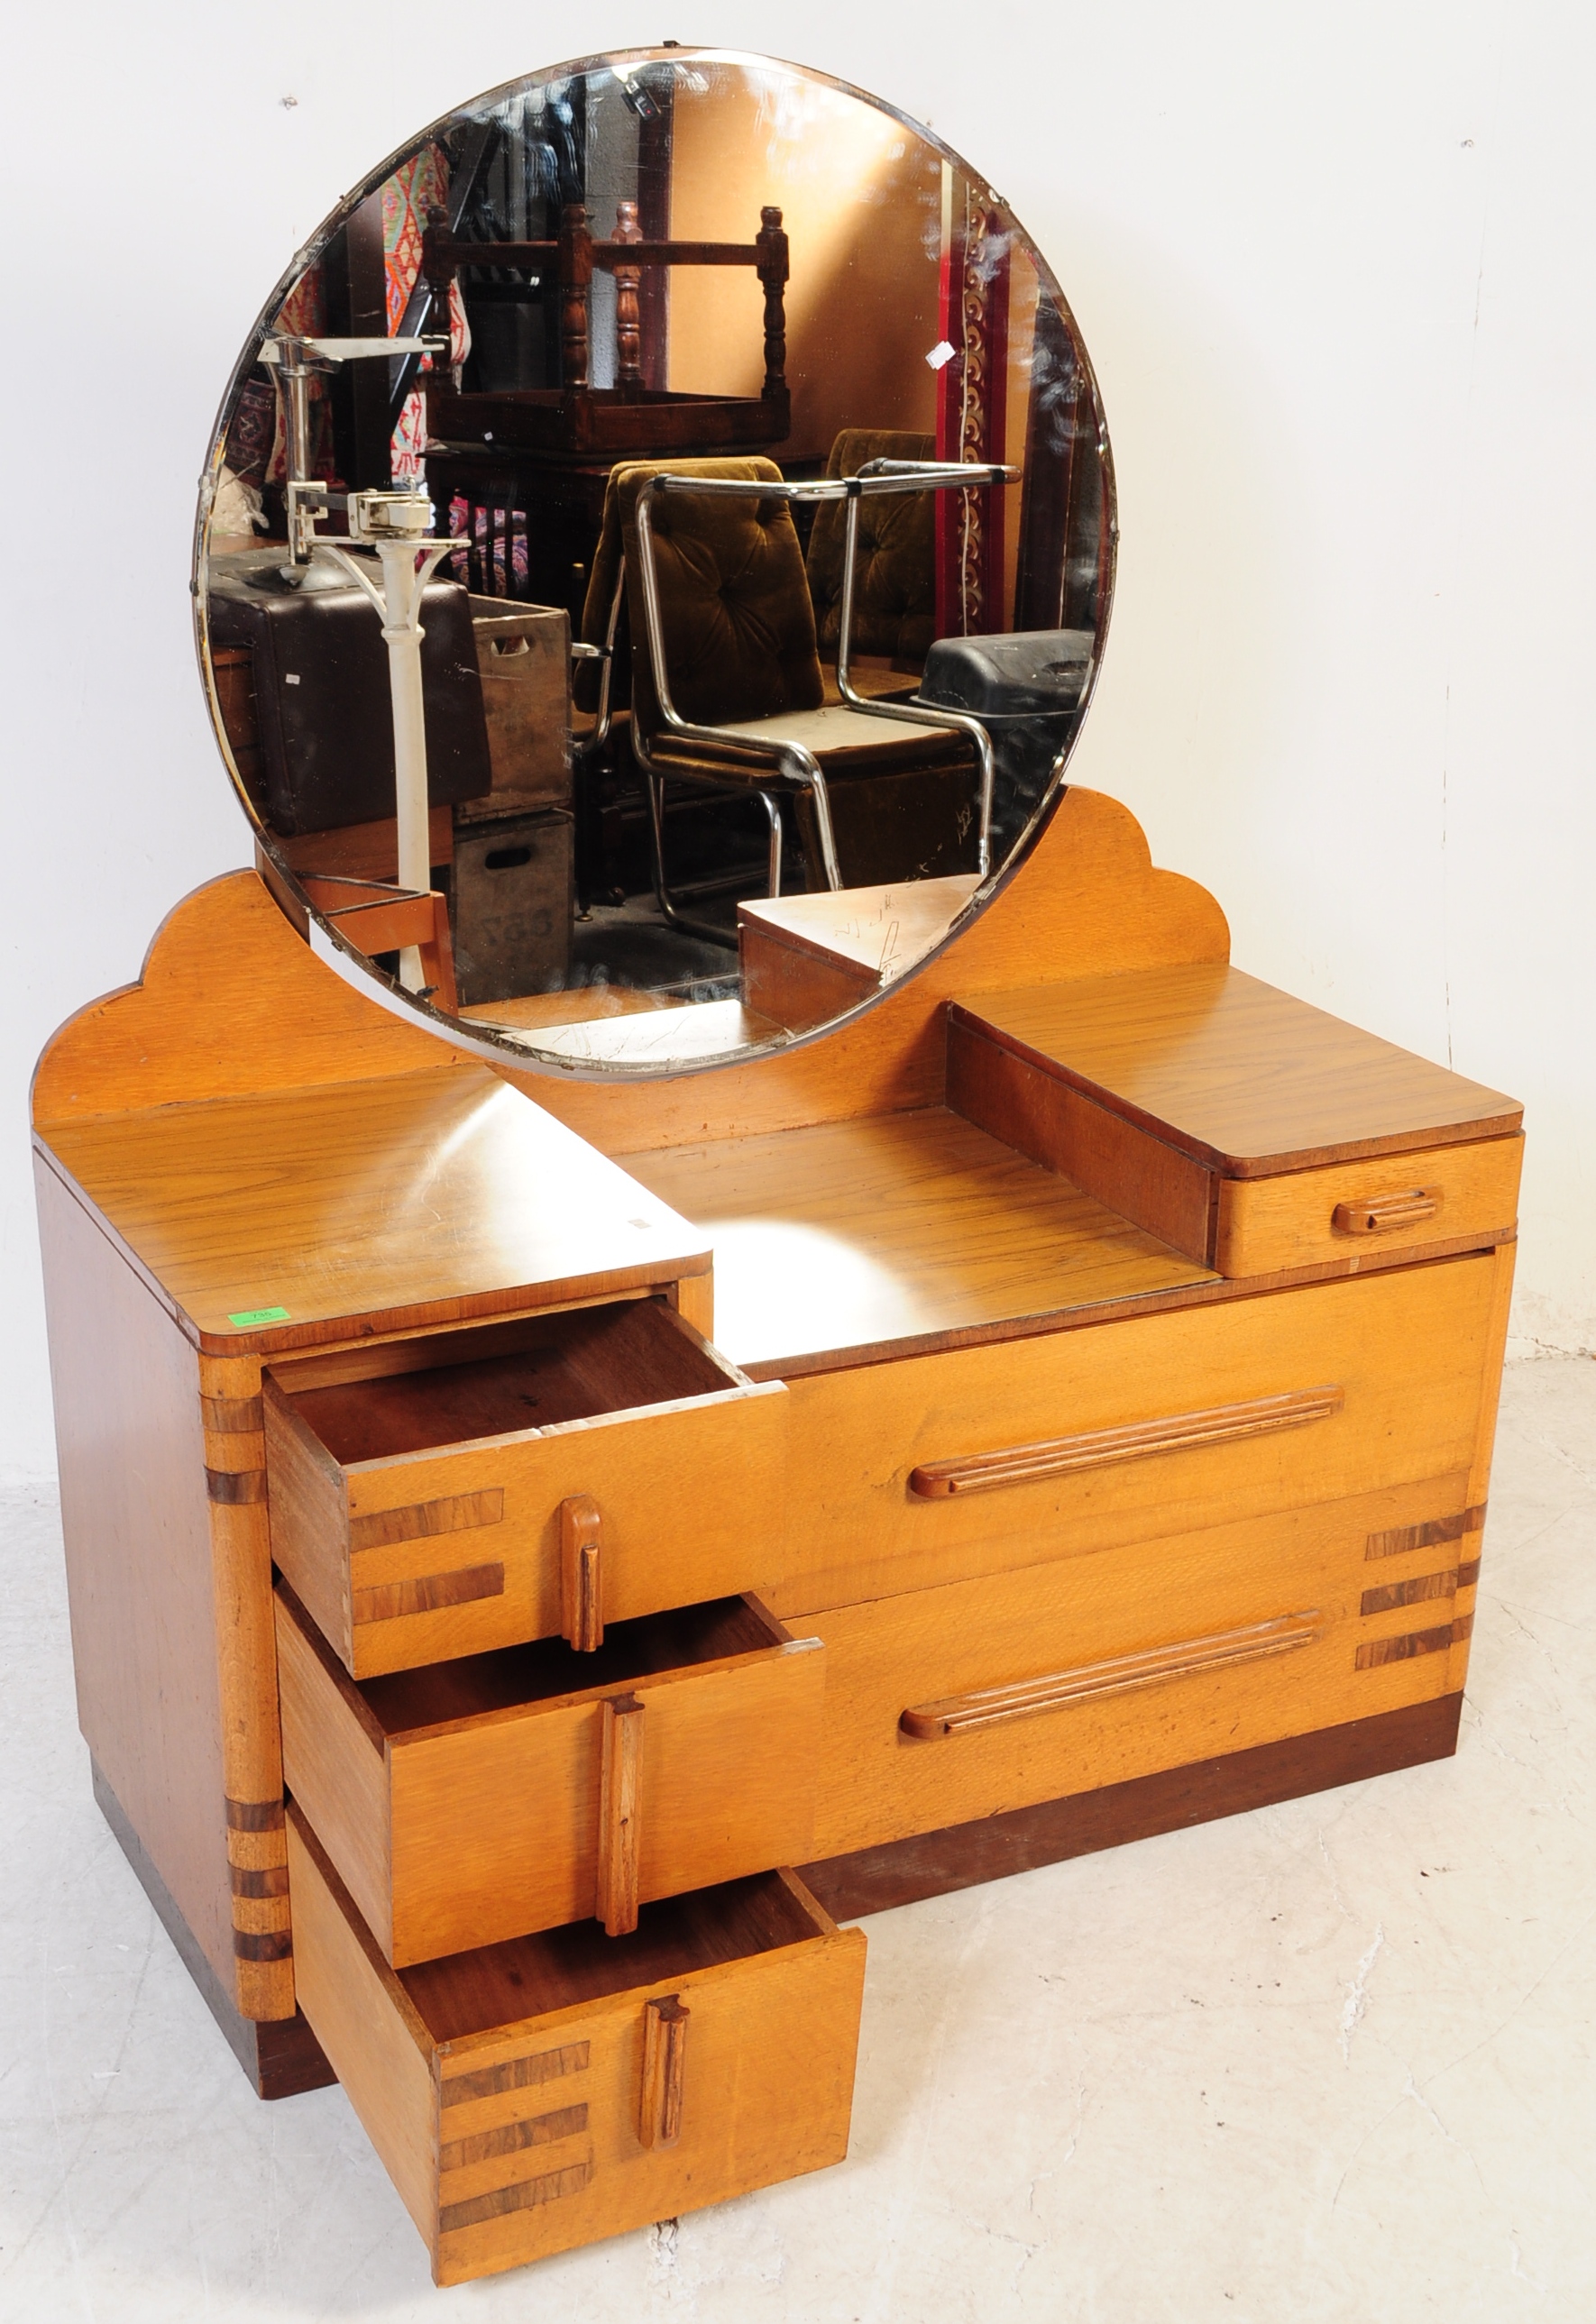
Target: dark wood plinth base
<point x="900" y="1872"/>
<point x="281" y="2058"/>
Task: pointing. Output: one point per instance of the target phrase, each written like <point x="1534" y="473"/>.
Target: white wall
<point x="1333" y="268"/>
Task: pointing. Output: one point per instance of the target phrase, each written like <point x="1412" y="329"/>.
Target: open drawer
<point x="445" y="1494"/>
<point x="538" y="2095"/>
<point x="476" y="1800"/>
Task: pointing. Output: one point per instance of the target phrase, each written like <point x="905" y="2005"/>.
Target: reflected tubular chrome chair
<point x="728" y="692"/>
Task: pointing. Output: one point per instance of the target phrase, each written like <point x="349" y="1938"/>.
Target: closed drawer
<point x="417" y="1515"/>
<point x="1402" y="1202"/>
<point x="476" y="1800"/>
<point x="549" y="2093"/>
<point x="983" y="1460"/>
<point x="964" y="1702"/>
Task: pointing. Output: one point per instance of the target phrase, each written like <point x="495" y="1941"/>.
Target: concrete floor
<point x="1331" y="2061"/>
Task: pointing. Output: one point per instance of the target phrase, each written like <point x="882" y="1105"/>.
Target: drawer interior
<point x="535" y="1374"/>
<point x="499" y="1984"/>
<point x="406" y="1703"/>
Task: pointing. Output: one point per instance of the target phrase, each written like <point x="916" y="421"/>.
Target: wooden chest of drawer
<point x="982" y="1696"/>
<point x="1246" y="1130"/>
<point x="981" y="1460"/>
<point x="445" y="1496"/>
<point x="545" y="2093"/>
<point x="474" y="1801"/>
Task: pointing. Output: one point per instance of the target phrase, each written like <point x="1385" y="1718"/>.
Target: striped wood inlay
<point x="512" y="2137"/>
<point x="1423" y="1586"/>
<point x="428" y="1593"/>
<point x="1181" y="1432"/>
<point x="271" y="1945"/>
<point x="515" y="2074"/>
<point x="271" y="1881"/>
<point x="1379" y="1651"/>
<point x="454" y="1513"/>
<point x="1425" y="1536"/>
<point x="524" y="2195"/>
<point x="235" y="1487"/>
<point x="255" y="1815"/>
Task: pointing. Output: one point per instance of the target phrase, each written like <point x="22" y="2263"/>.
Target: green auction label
<point x="251" y="1315"/>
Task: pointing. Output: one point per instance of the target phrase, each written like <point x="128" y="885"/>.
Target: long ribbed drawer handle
<point x="1384" y="1213"/>
<point x="1222" y="1424"/>
<point x="994" y="1706"/>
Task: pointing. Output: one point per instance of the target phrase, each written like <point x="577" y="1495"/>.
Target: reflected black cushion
<point x="734" y="603"/>
<point x="895" y="588"/>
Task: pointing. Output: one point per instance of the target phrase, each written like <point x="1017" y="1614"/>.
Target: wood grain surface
<point x="368" y="1206"/>
<point x="806" y="958"/>
<point x="478" y="1800"/>
<point x="344" y="1528"/>
<point x="280" y="2056"/>
<point x="1087" y="901"/>
<point x="503" y="2088"/>
<point x="858" y="1234"/>
<point x="1048" y="1119"/>
<point x="136" y="1521"/>
<point x="230" y="1003"/>
<point x="994" y="1847"/>
<point x="1235" y="1073"/>
<point x="1292" y="1220"/>
<point x="1139" y="1604"/>
<point x="1407" y="1348"/>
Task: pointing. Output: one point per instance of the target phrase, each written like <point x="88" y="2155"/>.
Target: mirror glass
<point x="603" y="637"/>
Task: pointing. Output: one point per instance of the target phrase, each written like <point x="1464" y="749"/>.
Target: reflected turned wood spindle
<point x="576" y="278"/>
<point x="628" y="375"/>
<point x="771" y="246"/>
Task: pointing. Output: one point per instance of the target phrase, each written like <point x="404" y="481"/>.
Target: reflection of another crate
<point x="524" y="653"/>
<point x="513" y="906"/>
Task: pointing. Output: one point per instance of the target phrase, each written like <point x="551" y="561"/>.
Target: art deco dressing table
<point x="548" y="1541"/>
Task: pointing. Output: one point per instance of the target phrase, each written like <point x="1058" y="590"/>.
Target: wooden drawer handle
<point x="619" y="1826"/>
<point x="1385" y="1212"/>
<point x="665" y="2050"/>
<point x="581" y="1574"/>
<point x="994" y="1706"/>
<point x="1024" y="1464"/>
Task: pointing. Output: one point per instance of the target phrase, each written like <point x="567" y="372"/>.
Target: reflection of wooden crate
<point x="524" y="653"/>
<point x="512" y="900"/>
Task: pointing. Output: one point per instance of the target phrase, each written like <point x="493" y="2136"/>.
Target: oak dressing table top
<point x="897" y="1234"/>
<point x="1236" y="1072"/>
<point x="419" y="1199"/>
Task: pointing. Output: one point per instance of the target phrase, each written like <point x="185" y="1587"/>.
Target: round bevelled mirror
<point x="653" y="562"/>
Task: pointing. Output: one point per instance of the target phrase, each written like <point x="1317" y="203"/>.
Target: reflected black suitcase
<point x="324" y="712"/>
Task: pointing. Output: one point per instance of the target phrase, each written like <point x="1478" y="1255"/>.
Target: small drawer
<point x="1405" y="1201"/>
<point x="939" y="1468"/>
<point x="417" y="1515"/>
<point x="541" y="2094"/>
<point x="949" y="1704"/>
<point x="472" y="1800"/>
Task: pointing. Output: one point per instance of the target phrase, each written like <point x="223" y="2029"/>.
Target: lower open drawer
<point x="476" y="1800"/>
<point x="529" y="2097"/>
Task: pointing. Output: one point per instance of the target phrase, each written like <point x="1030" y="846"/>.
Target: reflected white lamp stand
<point x="396" y="525"/>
